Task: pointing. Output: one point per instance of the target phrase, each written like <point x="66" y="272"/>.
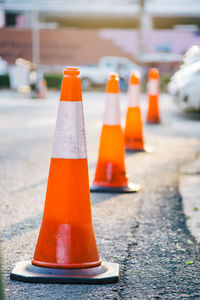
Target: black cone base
<point x="146" y="148"/>
<point x="130" y="188"/>
<point x="27" y="272"/>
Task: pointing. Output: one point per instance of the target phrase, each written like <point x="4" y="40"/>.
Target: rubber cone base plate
<point x="27" y="272"/>
<point x="146" y="148"/>
<point x="130" y="188"/>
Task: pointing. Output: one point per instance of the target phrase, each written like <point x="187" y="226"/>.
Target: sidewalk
<point x="189" y="187"/>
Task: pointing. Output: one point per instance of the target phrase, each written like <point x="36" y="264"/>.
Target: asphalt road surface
<point x="145" y="233"/>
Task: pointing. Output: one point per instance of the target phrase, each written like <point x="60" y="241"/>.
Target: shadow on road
<point x="33" y="223"/>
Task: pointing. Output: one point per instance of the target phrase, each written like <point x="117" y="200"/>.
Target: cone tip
<point x="135" y="77"/>
<point x="113" y="83"/>
<point x="71" y="85"/>
<point x="71" y="71"/>
<point x="153" y="73"/>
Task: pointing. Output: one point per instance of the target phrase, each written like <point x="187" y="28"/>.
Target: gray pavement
<point x="145" y="233"/>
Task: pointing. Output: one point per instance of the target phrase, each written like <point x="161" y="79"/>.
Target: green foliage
<point x="164" y="80"/>
<point x="189" y="262"/>
<point x="195" y="208"/>
<point x="54" y="80"/>
<point x="4" y="81"/>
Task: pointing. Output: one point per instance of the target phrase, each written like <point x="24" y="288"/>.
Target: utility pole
<point x="145" y="25"/>
<point x="141" y="27"/>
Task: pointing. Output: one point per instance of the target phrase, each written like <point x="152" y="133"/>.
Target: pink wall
<point x="178" y="41"/>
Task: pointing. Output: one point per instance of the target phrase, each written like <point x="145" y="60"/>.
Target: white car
<point x="185" y="87"/>
<point x="185" y="70"/>
<point x="192" y="55"/>
<point x="98" y="74"/>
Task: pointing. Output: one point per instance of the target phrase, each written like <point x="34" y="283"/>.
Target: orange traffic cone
<point x="42" y="88"/>
<point x="153" y="96"/>
<point x="110" y="175"/>
<point x="133" y="133"/>
<point x="134" y="128"/>
<point x="66" y="250"/>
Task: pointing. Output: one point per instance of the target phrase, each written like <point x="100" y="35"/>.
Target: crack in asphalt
<point x="131" y="242"/>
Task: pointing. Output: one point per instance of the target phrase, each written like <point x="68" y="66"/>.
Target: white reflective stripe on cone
<point x="134" y="95"/>
<point x="112" y="111"/>
<point x="153" y="87"/>
<point x="70" y="141"/>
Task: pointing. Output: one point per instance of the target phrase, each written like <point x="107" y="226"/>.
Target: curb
<point x="189" y="188"/>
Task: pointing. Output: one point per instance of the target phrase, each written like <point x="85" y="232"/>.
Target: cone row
<point x="66" y="250"/>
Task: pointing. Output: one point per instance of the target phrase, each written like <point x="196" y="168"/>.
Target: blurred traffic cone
<point x="110" y="175"/>
<point x="134" y="140"/>
<point x="66" y="250"/>
<point x="134" y="128"/>
<point x="42" y="88"/>
<point x="153" y="97"/>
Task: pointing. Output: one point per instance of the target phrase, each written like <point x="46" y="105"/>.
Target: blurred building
<point x="160" y="14"/>
<point x="82" y="31"/>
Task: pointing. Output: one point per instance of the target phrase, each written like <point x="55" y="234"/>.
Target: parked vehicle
<point x="185" y="87"/>
<point x="98" y="74"/>
<point x="180" y="74"/>
<point x="191" y="55"/>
